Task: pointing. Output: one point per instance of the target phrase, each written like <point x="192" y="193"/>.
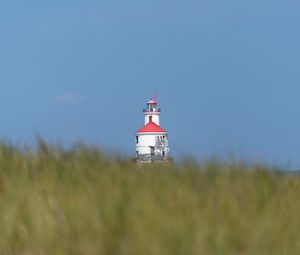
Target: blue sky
<point x="226" y="72"/>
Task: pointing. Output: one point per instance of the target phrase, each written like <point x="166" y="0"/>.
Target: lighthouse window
<point x="160" y="138"/>
<point x="137" y="139"/>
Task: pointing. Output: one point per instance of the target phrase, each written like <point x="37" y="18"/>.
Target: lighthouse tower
<point x="151" y="140"/>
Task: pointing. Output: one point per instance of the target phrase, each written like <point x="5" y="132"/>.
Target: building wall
<point x="144" y="142"/>
<point x="155" y="117"/>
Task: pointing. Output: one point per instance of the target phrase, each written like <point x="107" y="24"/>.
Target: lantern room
<point x="153" y="110"/>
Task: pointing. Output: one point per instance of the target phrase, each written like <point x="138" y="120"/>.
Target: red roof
<point x="151" y="127"/>
<point x="152" y="101"/>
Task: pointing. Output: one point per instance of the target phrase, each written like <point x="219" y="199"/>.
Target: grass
<point x="78" y="201"/>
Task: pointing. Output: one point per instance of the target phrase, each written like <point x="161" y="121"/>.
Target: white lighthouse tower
<point x="151" y="140"/>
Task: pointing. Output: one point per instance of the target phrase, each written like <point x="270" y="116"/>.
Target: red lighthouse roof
<point x="151" y="127"/>
<point x="152" y="101"/>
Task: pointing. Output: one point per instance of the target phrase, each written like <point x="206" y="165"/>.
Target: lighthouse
<point x="151" y="140"/>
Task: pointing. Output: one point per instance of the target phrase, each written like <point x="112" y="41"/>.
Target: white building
<point x="151" y="140"/>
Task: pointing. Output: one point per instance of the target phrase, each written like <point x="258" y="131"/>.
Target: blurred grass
<point x="78" y="201"/>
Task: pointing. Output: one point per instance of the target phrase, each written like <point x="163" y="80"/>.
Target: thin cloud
<point x="69" y="98"/>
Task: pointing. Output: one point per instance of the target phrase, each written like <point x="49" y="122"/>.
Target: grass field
<point x="78" y="201"/>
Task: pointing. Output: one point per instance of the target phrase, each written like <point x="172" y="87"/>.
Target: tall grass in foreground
<point x="79" y="202"/>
